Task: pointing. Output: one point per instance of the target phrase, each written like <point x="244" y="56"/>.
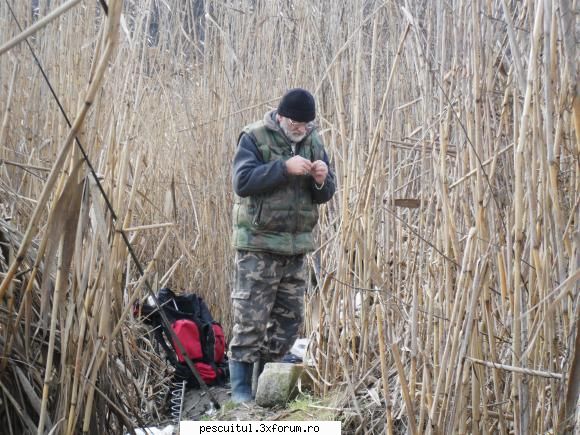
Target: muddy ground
<point x="197" y="406"/>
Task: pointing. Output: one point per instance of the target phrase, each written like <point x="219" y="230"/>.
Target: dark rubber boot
<point x="257" y="371"/>
<point x="241" y="381"/>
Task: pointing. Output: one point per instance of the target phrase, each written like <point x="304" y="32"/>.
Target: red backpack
<point x="198" y="348"/>
<point x="201" y="336"/>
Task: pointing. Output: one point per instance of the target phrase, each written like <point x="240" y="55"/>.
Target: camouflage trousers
<point x="267" y="304"/>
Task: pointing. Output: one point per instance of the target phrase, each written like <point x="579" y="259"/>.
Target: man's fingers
<point x="319" y="171"/>
<point x="319" y="167"/>
<point x="298" y="165"/>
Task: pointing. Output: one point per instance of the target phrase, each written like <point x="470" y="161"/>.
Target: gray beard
<point x="292" y="136"/>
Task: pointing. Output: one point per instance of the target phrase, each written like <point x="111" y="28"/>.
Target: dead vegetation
<point x="445" y="297"/>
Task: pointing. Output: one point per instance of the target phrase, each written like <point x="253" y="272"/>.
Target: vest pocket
<point x="271" y="216"/>
<point x="257" y="221"/>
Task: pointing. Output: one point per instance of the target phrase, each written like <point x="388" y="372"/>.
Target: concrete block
<point x="277" y="383"/>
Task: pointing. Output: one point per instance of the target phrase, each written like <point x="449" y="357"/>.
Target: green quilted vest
<point x="280" y="221"/>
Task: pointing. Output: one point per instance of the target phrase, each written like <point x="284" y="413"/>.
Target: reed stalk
<point x="453" y="130"/>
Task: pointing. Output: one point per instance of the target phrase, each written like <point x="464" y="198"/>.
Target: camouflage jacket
<point x="274" y="211"/>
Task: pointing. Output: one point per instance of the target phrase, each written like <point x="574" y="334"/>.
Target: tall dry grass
<point x="446" y="295"/>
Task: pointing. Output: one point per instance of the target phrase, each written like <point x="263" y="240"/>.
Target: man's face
<point x="295" y="131"/>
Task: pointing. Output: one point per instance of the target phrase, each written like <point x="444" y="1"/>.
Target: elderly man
<point x="280" y="175"/>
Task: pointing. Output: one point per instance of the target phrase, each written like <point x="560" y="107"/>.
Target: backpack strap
<point x="207" y="335"/>
<point x="209" y="350"/>
<point x="208" y="345"/>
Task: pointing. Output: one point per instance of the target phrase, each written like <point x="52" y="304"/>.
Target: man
<point x="280" y="175"/>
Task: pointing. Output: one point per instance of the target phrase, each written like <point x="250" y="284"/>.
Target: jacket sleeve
<point x="321" y="195"/>
<point x="251" y="175"/>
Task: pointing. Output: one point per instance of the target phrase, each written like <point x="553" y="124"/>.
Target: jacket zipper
<point x="296" y="206"/>
<point x="296" y="187"/>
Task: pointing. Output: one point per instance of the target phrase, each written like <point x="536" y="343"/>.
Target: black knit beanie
<point x="298" y="105"/>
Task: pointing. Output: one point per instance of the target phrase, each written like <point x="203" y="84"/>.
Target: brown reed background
<point x="445" y="290"/>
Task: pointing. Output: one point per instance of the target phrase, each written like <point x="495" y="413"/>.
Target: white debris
<point x="299" y="347"/>
<point x="168" y="430"/>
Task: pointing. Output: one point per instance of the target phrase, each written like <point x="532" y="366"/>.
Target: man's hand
<point x="298" y="165"/>
<point x="319" y="171"/>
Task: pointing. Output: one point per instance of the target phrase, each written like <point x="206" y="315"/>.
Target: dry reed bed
<point x="447" y="278"/>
